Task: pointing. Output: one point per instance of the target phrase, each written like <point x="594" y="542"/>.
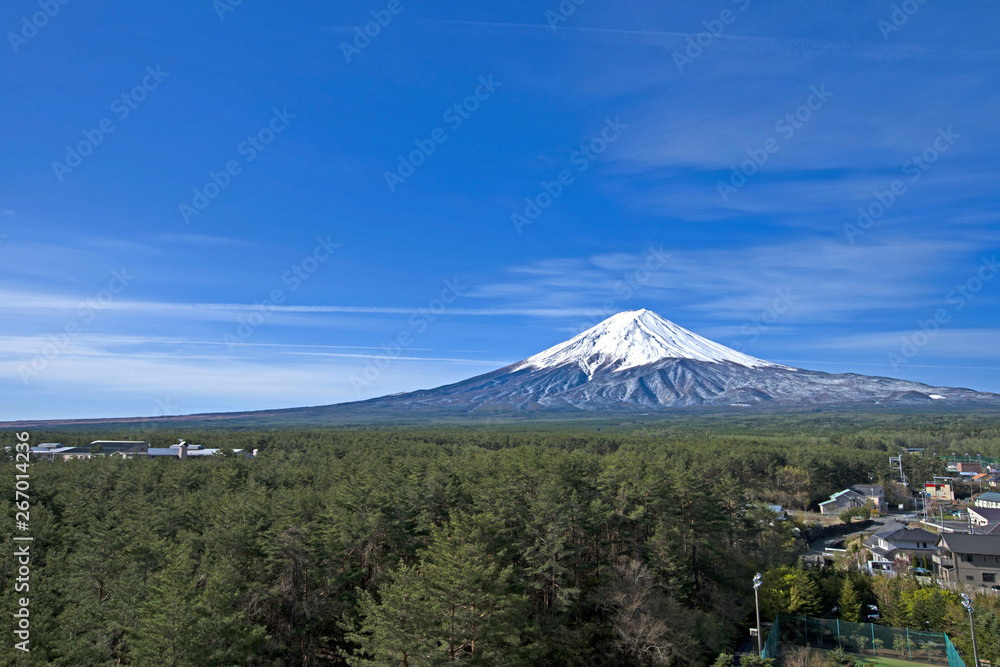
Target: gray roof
<point x="915" y="535"/>
<point x="992" y="496"/>
<point x="868" y="489"/>
<point x="965" y="543"/>
<point x="991" y="514"/>
<point x="889" y="528"/>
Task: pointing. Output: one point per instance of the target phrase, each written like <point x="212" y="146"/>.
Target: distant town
<point x="52" y="451"/>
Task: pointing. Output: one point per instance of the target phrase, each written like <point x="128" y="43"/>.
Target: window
<point x="989" y="578"/>
<point x="969" y="577"/>
<point x="966" y="558"/>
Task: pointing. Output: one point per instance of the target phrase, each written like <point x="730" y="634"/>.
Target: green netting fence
<point x="932" y="648"/>
<point x="773" y="643"/>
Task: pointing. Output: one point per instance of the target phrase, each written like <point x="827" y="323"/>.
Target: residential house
<point x="874" y="495"/>
<point x="988" y="499"/>
<point x="894" y="540"/>
<point x="842" y="501"/>
<point x="964" y="558"/>
<point x="963" y="466"/>
<point x="859" y="495"/>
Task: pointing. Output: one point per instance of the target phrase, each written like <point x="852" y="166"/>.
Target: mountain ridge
<point x="632" y="362"/>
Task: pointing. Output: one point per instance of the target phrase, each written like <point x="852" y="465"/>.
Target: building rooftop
<point x="991" y="514"/>
<point x="990" y="496"/>
<point x="966" y="543"/>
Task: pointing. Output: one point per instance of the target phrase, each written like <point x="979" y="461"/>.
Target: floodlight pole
<point x="967" y="603"/>
<point x="757" y="578"/>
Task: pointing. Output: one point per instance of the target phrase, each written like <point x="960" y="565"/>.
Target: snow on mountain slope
<point x="636" y="338"/>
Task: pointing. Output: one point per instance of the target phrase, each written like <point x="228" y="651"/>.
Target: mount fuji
<point x="634" y="362"/>
<point x="639" y="361"/>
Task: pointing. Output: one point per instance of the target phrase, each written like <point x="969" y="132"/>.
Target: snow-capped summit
<point x="637" y="338"/>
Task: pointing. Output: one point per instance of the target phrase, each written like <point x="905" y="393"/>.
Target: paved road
<point x="820" y="546"/>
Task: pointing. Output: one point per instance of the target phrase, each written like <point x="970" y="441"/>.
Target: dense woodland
<point x="617" y="544"/>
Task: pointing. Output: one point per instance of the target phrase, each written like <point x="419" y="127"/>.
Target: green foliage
<point x="863" y="513"/>
<point x="457" y="604"/>
<point x="850" y="601"/>
<point x="618" y="544"/>
<point x="791" y="591"/>
<point x="724" y="660"/>
<point x="841" y="658"/>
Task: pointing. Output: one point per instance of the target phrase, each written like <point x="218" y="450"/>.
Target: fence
<point x="773" y="642"/>
<point x="932" y="648"/>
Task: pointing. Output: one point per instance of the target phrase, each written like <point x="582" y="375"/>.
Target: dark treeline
<point x="416" y="546"/>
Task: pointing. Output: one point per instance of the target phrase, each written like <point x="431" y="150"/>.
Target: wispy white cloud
<point x="829" y="279"/>
<point x="726" y="41"/>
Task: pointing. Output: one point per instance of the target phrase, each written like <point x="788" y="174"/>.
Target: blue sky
<point x="195" y="211"/>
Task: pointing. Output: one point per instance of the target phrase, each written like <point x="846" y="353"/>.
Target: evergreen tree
<point x="850" y="601"/>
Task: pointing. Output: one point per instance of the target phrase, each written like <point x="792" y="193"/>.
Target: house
<point x="940" y="489"/>
<point x="964" y="558"/>
<point x="984" y="516"/>
<point x="842" y="501"/>
<point x="894" y="540"/>
<point x="988" y="499"/>
<point x="963" y="466"/>
<point x="859" y="495"/>
<point x="874" y="495"/>
<point x="782" y="515"/>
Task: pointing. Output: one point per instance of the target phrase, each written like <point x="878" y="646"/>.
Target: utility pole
<point x="967" y="603"/>
<point x="757" y="579"/>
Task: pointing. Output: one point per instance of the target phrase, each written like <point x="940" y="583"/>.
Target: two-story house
<point x="873" y="494"/>
<point x="859" y="495"/>
<point x="894" y="540"/>
<point x="963" y="558"/>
